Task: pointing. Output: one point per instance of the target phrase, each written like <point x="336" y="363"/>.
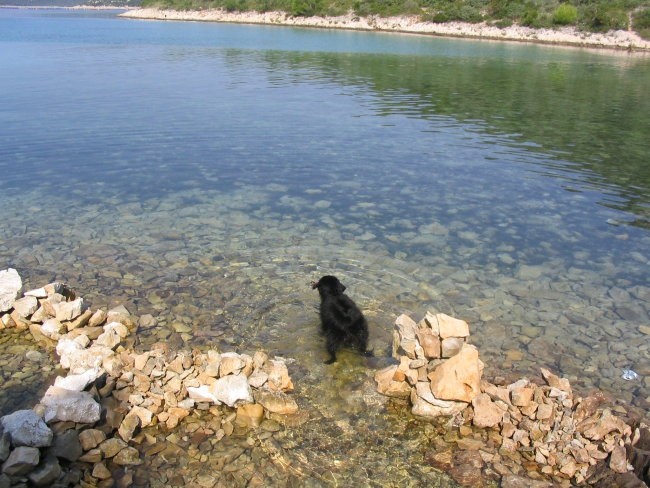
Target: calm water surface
<point x="206" y="173"/>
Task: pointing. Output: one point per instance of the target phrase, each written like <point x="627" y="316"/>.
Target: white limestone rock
<point x="110" y="339"/>
<point x="78" y="382"/>
<point x="232" y="390"/>
<point x="10" y="286"/>
<point x="81" y="360"/>
<point x="36" y="293"/>
<point x="118" y="328"/>
<point x="53" y="329"/>
<point x="202" y="393"/>
<point x="68" y="405"/>
<point x="69" y="310"/>
<point x="25" y="306"/>
<point x="27" y="428"/>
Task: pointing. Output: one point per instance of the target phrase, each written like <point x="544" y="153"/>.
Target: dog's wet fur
<point x="342" y="323"/>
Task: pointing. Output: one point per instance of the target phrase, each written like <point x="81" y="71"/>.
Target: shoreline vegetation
<point x="617" y="24"/>
<point x="410" y="24"/>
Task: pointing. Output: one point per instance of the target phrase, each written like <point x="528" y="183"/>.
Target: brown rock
<point x="441" y="408"/>
<point x="128" y="426"/>
<point x="521" y="397"/>
<point x="101" y="472"/>
<point x="515" y="481"/>
<point x="466" y="468"/>
<point x="441" y="459"/>
<point x="110" y="447"/>
<point x="276" y="401"/>
<point x="80" y="321"/>
<point x="588" y="406"/>
<point x="618" y="460"/>
<point x="508" y="429"/>
<point x="430" y="343"/>
<point x="544" y="411"/>
<point x="597" y="429"/>
<point x="386" y="385"/>
<point x="486" y="412"/>
<point x="92" y="456"/>
<point x="91" y="438"/>
<point x="556" y="382"/>
<point x="278" y="375"/>
<point x="129" y="456"/>
<point x="458" y="378"/>
<point x="250" y="415"/>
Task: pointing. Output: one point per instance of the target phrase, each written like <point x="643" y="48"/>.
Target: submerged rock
<point x="21" y="461"/>
<point x="27" y="428"/>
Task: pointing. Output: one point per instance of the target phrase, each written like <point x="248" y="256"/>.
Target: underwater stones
<point x="27" y="428"/>
<point x="10" y="286"/>
<point x="46" y="473"/>
<point x="250" y="415"/>
<point x="21" y="461"/>
<point x="276" y="401"/>
<point x="129" y="456"/>
<point x="67" y="446"/>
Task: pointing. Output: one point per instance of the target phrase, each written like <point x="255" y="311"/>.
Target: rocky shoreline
<point x="83" y="430"/>
<point x="565" y="36"/>
<point x="560" y="438"/>
<point x="114" y="408"/>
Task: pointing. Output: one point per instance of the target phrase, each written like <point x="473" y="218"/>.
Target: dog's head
<point x="328" y="286"/>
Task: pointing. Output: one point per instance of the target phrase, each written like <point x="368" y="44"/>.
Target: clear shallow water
<point x="206" y="173"/>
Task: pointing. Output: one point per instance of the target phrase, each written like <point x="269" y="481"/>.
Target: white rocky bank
<point x="153" y="387"/>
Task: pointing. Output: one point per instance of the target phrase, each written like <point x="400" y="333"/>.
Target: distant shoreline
<point x="73" y="7"/>
<point x="565" y="36"/>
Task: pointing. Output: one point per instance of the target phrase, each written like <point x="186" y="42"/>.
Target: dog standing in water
<point x="341" y="321"/>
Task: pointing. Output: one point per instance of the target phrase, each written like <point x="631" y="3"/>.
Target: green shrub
<point x="530" y="17"/>
<point x="304" y="8"/>
<point x="565" y="14"/>
<point x="602" y="17"/>
<point x="641" y="22"/>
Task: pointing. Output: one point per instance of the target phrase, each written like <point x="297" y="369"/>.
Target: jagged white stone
<point x="78" y="382"/>
<point x="10" y="285"/>
<point x="68" y="405"/>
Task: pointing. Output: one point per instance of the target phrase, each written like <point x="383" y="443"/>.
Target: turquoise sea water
<point x="206" y="173"/>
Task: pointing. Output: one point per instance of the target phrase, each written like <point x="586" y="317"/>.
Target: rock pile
<point x="110" y="392"/>
<point x="438" y="370"/>
<point x="566" y="438"/>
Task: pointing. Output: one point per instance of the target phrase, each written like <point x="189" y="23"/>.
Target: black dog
<point x="341" y="320"/>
